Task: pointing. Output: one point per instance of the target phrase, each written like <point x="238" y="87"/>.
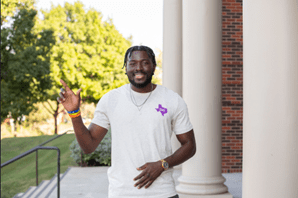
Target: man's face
<point x="139" y="69"/>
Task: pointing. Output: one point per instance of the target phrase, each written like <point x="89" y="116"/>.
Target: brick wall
<point x="232" y="86"/>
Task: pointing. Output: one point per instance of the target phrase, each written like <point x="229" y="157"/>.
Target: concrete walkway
<point x="92" y="182"/>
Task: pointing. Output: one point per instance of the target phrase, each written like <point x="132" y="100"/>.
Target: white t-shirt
<point x="141" y="136"/>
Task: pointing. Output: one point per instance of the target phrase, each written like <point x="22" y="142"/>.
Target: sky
<point x="143" y="19"/>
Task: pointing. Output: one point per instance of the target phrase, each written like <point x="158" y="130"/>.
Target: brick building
<point x="234" y="62"/>
<point x="232" y="86"/>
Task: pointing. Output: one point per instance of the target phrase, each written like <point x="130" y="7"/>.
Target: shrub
<point x="102" y="153"/>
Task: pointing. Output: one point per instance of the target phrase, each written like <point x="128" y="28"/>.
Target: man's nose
<point x="139" y="66"/>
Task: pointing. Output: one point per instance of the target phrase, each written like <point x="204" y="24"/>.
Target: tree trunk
<point x="55" y="118"/>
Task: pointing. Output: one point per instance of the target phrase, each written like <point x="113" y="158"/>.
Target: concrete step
<point x="50" y="187"/>
<point x="43" y="190"/>
<point x="19" y="195"/>
<point x="29" y="191"/>
<point x="42" y="186"/>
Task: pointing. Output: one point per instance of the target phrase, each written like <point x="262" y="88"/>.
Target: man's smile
<point x="139" y="76"/>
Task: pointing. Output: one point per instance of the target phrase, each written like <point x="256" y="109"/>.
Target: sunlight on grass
<point x="20" y="175"/>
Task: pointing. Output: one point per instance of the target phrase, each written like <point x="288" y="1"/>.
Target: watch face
<point x="166" y="165"/>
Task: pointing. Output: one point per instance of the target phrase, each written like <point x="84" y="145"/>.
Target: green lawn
<point x="20" y="175"/>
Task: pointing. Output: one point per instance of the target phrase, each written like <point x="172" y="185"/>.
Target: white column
<point x="270" y="117"/>
<point x="202" y="34"/>
<point x="172" y="52"/>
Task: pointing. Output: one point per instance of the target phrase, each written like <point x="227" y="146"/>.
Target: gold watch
<point x="164" y="164"/>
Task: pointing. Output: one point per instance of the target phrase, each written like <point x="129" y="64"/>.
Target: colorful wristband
<point x="75" y="115"/>
<point x="75" y="111"/>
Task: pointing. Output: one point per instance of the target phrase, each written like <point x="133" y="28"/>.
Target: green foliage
<point x="9" y="7"/>
<point x="25" y="65"/>
<point x="102" y="153"/>
<point x="88" y="53"/>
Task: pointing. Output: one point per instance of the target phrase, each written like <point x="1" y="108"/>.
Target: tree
<point x="10" y="7"/>
<point x="25" y="65"/>
<point x="88" y="53"/>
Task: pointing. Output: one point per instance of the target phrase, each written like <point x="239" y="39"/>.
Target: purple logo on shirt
<point x="161" y="109"/>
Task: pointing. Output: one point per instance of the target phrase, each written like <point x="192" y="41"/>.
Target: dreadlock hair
<point x="148" y="50"/>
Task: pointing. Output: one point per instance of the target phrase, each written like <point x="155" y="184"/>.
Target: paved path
<point x="92" y="182"/>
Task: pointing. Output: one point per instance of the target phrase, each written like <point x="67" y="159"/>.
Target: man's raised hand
<point x="68" y="98"/>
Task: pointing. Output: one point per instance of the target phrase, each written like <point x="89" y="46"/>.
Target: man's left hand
<point x="151" y="171"/>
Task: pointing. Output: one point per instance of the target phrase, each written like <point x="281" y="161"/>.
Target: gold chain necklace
<point x="135" y="99"/>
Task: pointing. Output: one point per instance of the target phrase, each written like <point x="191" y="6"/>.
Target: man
<point x="142" y="117"/>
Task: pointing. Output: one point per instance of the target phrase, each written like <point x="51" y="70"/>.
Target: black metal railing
<point x="35" y="149"/>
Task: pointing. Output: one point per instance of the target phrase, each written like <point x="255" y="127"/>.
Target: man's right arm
<point x="88" y="139"/>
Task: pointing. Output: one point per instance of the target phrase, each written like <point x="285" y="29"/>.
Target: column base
<point x="224" y="195"/>
<point x="201" y="186"/>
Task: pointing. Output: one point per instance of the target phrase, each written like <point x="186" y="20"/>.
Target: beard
<point x="141" y="85"/>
